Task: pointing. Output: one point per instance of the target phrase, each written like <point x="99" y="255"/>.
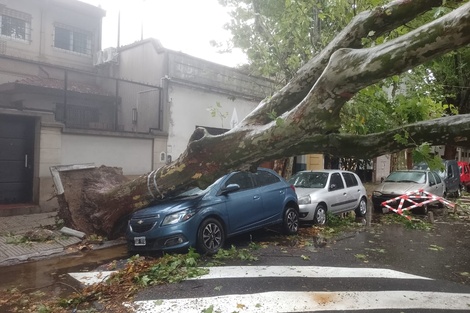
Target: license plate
<point x="139" y="241"/>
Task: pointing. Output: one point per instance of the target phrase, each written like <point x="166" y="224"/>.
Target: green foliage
<point x="417" y="224"/>
<point x="172" y="268"/>
<point x="17" y="240"/>
<point x="234" y="253"/>
<point x="217" y="112"/>
<point x="280" y="36"/>
<point x="423" y="154"/>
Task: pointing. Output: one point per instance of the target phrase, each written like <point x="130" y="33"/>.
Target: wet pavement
<point x="51" y="273"/>
<point x="442" y="252"/>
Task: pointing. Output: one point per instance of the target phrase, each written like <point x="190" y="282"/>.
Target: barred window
<point x="16" y="28"/>
<point x="71" y="39"/>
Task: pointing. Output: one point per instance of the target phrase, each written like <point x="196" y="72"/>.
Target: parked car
<point x="328" y="191"/>
<point x="401" y="182"/>
<point x="450" y="174"/>
<point x="464" y="169"/>
<point x="236" y="203"/>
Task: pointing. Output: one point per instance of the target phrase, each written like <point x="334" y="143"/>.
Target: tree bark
<point x="308" y="114"/>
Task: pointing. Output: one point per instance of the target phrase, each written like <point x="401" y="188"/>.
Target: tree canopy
<point x="280" y="36"/>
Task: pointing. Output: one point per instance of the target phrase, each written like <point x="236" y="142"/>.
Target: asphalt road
<point x="384" y="268"/>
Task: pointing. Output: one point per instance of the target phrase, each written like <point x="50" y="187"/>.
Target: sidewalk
<point x="12" y="229"/>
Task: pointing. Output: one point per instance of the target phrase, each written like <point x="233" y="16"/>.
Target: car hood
<point x="307" y="191"/>
<point x="394" y="188"/>
<point x="167" y="207"/>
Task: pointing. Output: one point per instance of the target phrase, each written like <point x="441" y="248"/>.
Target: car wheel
<point x="320" y="215"/>
<point x="361" y="209"/>
<point x="210" y="236"/>
<point x="291" y="221"/>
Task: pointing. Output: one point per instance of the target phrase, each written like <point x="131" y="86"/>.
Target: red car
<point x="464" y="168"/>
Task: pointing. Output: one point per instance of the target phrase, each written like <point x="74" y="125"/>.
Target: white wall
<point x="134" y="155"/>
<point x="189" y="108"/>
<point x="382" y="169"/>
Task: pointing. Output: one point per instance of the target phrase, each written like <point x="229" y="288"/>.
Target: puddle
<point x="50" y="275"/>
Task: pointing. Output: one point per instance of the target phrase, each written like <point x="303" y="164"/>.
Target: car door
<point x="353" y="188"/>
<point x="338" y="196"/>
<point x="245" y="206"/>
<point x="273" y="193"/>
<point x="439" y="187"/>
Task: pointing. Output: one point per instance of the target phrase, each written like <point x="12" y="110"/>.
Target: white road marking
<point x="298" y="301"/>
<point x="310" y="302"/>
<point x="89" y="278"/>
<point x="303" y="271"/>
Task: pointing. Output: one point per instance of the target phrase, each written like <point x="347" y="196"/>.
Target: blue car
<point x="236" y="203"/>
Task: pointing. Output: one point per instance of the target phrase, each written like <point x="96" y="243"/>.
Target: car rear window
<point x="264" y="178"/>
<point x="350" y="179"/>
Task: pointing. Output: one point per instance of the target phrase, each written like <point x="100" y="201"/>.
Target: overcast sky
<point x="182" y="25"/>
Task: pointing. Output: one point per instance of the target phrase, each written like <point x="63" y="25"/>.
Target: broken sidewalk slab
<point x="72" y="232"/>
<point x="90" y="278"/>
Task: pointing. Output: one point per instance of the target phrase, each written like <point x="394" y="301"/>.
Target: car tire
<point x="319" y="217"/>
<point x="210" y="236"/>
<point x="290" y="223"/>
<point x="361" y="209"/>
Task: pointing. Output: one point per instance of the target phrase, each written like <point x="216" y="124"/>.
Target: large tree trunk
<point x="308" y="108"/>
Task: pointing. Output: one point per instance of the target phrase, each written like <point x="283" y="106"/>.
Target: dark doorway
<point x="16" y="159"/>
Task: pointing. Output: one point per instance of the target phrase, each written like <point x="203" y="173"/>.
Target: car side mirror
<point x="332" y="186"/>
<point x="230" y="188"/>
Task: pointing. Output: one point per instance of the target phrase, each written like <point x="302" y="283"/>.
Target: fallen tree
<point x="307" y="121"/>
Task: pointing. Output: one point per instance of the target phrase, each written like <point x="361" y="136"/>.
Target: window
<point x="432" y="179"/>
<point x="242" y="179"/>
<point x="15" y="24"/>
<point x="350" y="179"/>
<point x="264" y="178"/>
<point x="71" y="39"/>
<point x="336" y="182"/>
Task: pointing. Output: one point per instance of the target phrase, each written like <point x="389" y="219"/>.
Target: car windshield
<point x="309" y="180"/>
<point x="407" y="177"/>
<point x="196" y="191"/>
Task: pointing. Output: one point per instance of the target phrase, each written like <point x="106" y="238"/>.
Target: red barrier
<point x="411" y="197"/>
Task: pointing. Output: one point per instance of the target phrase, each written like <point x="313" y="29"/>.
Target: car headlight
<point x="377" y="193"/>
<point x="178" y="217"/>
<point x="305" y="200"/>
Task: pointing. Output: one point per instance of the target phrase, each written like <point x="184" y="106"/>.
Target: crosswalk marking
<point x="299" y="301"/>
<point x="310" y="302"/>
<point x="303" y="271"/>
<point x="89" y="278"/>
